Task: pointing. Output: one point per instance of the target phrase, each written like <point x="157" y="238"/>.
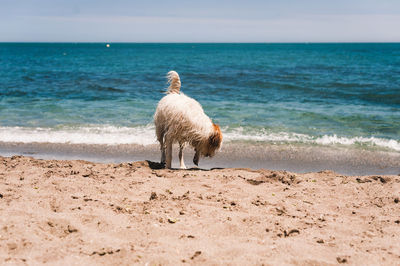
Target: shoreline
<point x="290" y="157"/>
<point x="80" y="212"/>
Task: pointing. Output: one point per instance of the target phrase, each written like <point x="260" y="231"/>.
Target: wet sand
<point x="296" y="158"/>
<point x="78" y="212"/>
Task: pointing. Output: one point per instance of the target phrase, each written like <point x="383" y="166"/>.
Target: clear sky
<point x="200" y="21"/>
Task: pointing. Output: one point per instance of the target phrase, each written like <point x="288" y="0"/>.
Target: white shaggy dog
<point x="181" y="119"/>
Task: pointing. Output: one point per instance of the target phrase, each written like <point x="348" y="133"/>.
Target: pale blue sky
<point x="200" y="21"/>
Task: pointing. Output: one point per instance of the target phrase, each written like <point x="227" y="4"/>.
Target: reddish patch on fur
<point x="216" y="138"/>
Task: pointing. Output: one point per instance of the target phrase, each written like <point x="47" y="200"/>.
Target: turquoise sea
<point x="319" y="96"/>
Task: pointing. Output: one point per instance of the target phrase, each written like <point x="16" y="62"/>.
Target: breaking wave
<point x="285" y="137"/>
<point x="144" y="135"/>
<point x="110" y="135"/>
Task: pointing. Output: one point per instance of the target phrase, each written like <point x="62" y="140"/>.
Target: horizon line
<point x="207" y="42"/>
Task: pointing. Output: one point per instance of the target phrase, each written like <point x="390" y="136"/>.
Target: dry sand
<point x="77" y="212"/>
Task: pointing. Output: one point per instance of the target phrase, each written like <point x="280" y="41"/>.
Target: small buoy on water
<point x="107" y="45"/>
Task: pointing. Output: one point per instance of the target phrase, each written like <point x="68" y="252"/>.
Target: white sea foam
<point x="263" y="135"/>
<point x="144" y="135"/>
<point x="333" y="139"/>
<point x="110" y="135"/>
<point x="285" y="137"/>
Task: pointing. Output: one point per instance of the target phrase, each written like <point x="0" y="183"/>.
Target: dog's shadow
<point x="159" y="166"/>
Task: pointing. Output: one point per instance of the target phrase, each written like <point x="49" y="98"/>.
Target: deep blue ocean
<point x="313" y="94"/>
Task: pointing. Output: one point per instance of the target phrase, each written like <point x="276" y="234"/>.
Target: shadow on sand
<point x="158" y="166"/>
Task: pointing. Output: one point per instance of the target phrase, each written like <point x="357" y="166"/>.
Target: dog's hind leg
<point x="168" y="151"/>
<point x="160" y="138"/>
<point x="162" y="148"/>
<point x="181" y="161"/>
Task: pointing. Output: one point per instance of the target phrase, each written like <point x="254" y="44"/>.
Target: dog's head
<point x="214" y="141"/>
<point x="209" y="147"/>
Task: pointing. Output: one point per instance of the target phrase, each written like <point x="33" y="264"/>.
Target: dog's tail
<point x="174" y="82"/>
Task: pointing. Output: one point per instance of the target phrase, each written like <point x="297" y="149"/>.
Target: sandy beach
<point x="77" y="212"/>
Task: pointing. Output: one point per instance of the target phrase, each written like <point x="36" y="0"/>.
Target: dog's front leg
<point x="181" y="161"/>
<point x="196" y="157"/>
<point x="168" y="153"/>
